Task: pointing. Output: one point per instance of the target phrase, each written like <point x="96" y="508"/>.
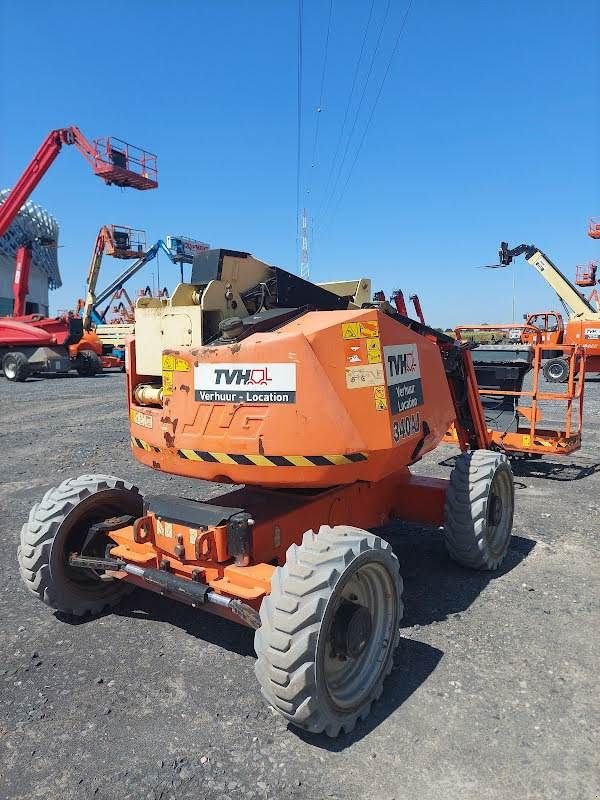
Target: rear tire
<point x="556" y="370"/>
<point x="329" y="629"/>
<point x="57" y="526"/>
<point x="479" y="509"/>
<point x="88" y="364"/>
<point x="16" y="367"/>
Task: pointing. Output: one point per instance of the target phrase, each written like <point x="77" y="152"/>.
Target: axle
<point x="164" y="582"/>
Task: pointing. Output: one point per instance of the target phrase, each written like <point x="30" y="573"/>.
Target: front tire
<point x="57" y="526"/>
<point x="329" y="629"/>
<point x="88" y="364"/>
<point x="16" y="367"/>
<point x="556" y="370"/>
<point x="478" y="515"/>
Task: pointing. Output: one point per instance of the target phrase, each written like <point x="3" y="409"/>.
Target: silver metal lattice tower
<point x="304" y="261"/>
<point x="32" y="225"/>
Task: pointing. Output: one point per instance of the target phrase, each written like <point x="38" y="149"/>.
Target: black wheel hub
<point x="351" y="630"/>
<point x="494" y="510"/>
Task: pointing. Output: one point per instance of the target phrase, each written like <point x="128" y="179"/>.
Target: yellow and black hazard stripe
<point x="244" y="460"/>
<point x="150" y="448"/>
<point x="272" y="461"/>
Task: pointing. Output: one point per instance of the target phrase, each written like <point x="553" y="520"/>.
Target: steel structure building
<point x="36" y="226"/>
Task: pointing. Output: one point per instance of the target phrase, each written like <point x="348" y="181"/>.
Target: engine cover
<point x="328" y="398"/>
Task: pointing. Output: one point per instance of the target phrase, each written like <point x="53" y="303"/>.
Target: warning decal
<point x="145" y="420"/>
<point x="367" y="375"/>
<point x="363" y="359"/>
<point x="403" y="374"/>
<point x="360" y="330"/>
<point x="380" y="398"/>
<point x="171" y="364"/>
<point x="355" y="352"/>
<point x="362" y="351"/>
<point x="373" y="350"/>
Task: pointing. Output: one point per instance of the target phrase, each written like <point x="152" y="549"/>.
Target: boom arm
<point x="414" y="298"/>
<point x="122" y="279"/>
<point x="32" y="175"/>
<point x="103" y="238"/>
<point x="124" y="174"/>
<point x="37" y="168"/>
<point x="563" y="287"/>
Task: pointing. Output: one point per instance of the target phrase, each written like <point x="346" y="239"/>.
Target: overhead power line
<point x="351" y="95"/>
<point x="319" y="108"/>
<point x="332" y="191"/>
<point x="373" y="107"/>
<point x="299" y="129"/>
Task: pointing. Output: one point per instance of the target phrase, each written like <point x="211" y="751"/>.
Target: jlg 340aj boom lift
<point x="319" y="403"/>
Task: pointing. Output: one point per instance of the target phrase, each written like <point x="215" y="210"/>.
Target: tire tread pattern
<point x="465" y="513"/>
<point x="286" y="642"/>
<point x="37" y="536"/>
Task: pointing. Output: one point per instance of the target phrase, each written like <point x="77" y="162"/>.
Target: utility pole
<point x="304" y="261"/>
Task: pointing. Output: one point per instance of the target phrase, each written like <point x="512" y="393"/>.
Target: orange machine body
<point x="586" y="334"/>
<point x="583" y="333"/>
<point x="326" y="399"/>
<point x="89" y="341"/>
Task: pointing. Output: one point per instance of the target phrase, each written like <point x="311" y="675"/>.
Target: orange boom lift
<point x="319" y="401"/>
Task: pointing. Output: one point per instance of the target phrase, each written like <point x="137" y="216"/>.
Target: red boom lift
<point x="32" y="343"/>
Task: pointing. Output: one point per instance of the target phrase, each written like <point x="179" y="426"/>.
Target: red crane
<point x="113" y="161"/>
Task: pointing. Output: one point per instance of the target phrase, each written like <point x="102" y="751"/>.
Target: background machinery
<point x="400" y="304"/>
<point x="319" y="401"/>
<point x="120" y="242"/>
<point x="586" y="276"/>
<point x="582" y="326"/>
<point x="111" y="336"/>
<point x="26" y="351"/>
<point x="522" y="417"/>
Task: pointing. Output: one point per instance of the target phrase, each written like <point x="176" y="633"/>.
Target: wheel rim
<point x="10" y="370"/>
<point x="359" y="634"/>
<point x="499" y="512"/>
<point x="556" y="371"/>
<point x="73" y="531"/>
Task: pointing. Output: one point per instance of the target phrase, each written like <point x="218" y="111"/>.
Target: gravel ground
<point x="495" y="693"/>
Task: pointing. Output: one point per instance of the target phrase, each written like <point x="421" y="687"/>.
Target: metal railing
<point x="113" y="153"/>
<point x="565" y="436"/>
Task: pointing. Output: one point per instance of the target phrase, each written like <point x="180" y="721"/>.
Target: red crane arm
<point x="33" y="173"/>
<point x="398" y="299"/>
<point x="137" y="170"/>
<point x="419" y="311"/>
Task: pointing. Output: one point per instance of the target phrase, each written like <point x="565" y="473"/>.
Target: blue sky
<point x="486" y="129"/>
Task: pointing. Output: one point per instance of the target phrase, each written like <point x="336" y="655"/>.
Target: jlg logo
<point x="402" y="364"/>
<point x="242" y="377"/>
